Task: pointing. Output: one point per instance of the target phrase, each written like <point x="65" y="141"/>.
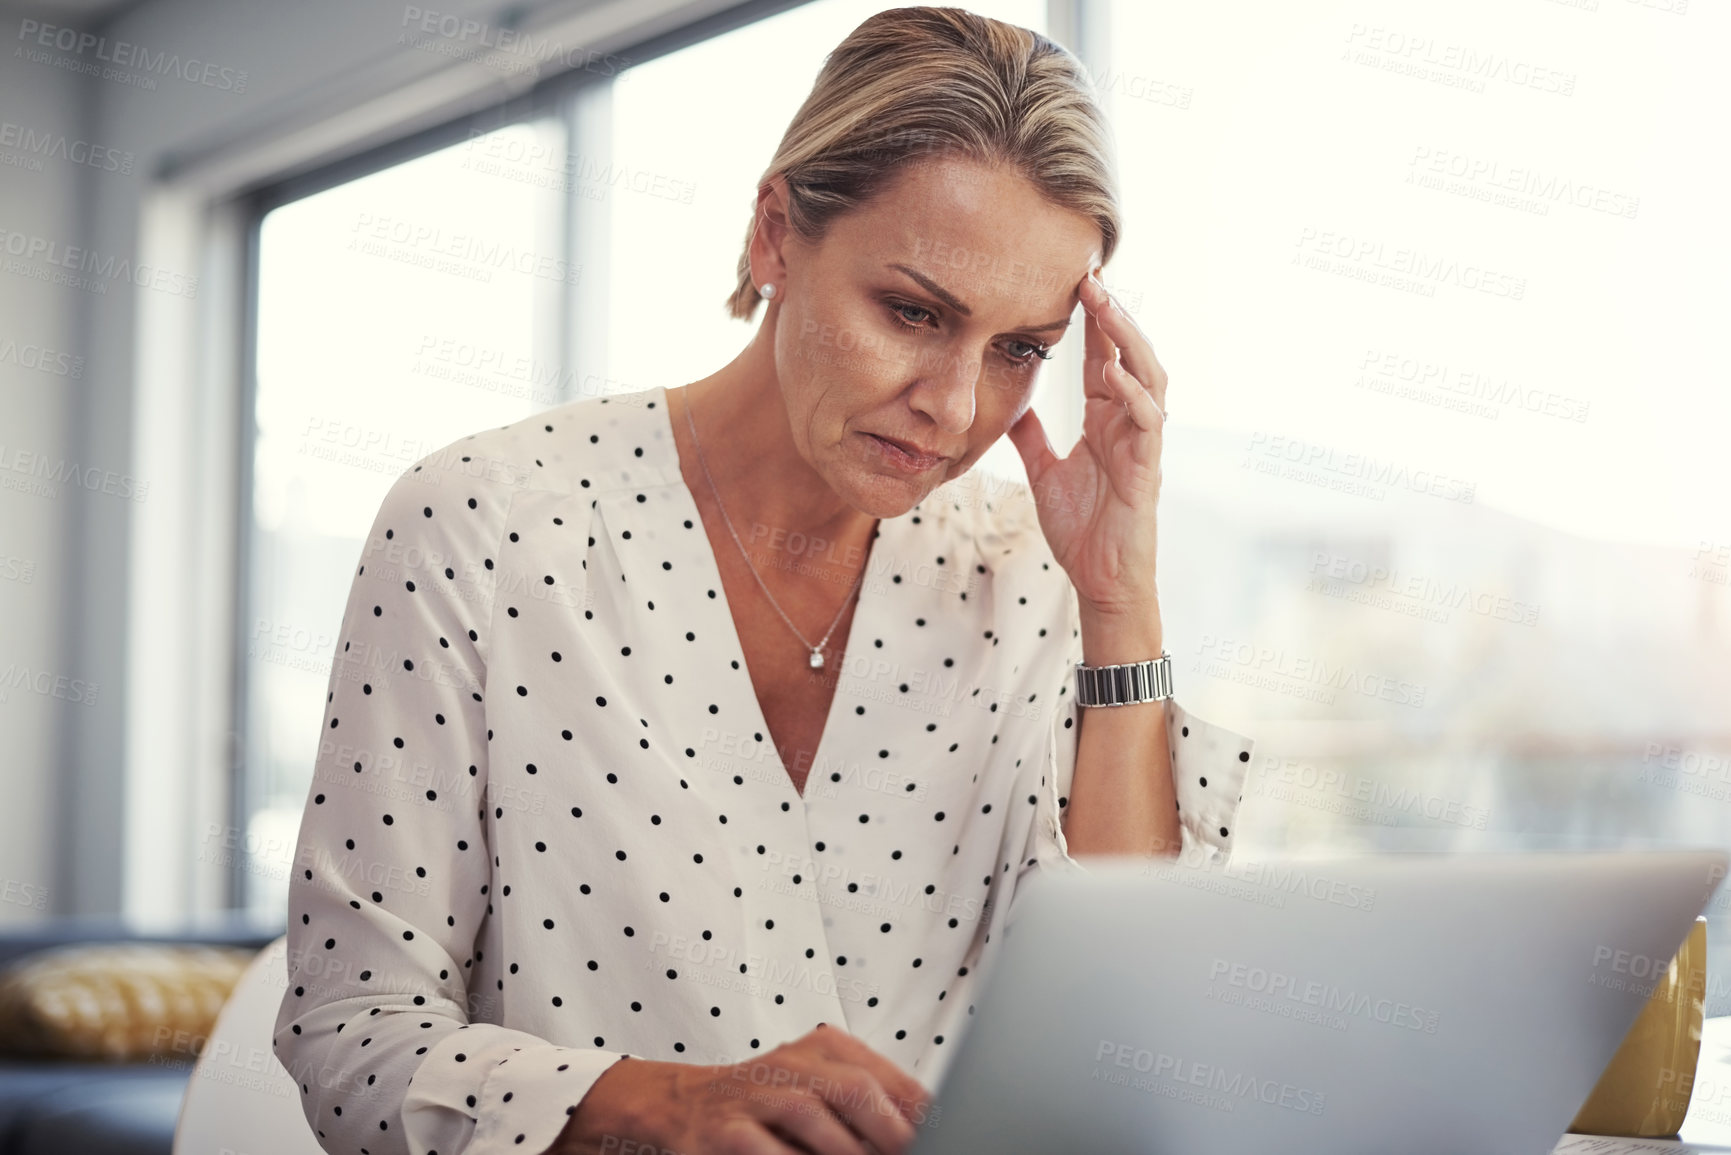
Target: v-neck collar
<point x="864" y="616"/>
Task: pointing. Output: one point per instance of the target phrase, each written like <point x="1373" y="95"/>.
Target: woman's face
<point x="910" y="337"/>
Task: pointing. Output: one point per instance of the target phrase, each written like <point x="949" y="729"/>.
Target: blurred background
<point x="1441" y="289"/>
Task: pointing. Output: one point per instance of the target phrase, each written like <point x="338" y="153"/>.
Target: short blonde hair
<point x="932" y="82"/>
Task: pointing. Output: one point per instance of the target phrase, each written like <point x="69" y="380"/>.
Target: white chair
<point x="240" y="1100"/>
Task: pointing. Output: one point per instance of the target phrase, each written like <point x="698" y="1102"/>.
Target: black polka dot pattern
<point x="550" y="828"/>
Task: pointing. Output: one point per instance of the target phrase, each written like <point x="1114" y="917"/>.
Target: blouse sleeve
<point x="1209" y="765"/>
<point x="391" y="868"/>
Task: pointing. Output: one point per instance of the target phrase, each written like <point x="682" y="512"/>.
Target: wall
<point x="43" y="374"/>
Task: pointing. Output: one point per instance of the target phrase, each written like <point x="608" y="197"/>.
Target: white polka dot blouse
<point x="547" y="828"/>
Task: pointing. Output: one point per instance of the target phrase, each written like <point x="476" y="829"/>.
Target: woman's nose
<point x="946" y="392"/>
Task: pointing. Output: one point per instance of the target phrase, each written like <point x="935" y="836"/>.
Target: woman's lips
<point x="904" y="457"/>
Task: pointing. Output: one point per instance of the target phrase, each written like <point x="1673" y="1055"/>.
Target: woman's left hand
<point x="1097" y="505"/>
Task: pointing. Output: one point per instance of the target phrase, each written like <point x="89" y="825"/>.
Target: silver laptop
<point x="1455" y="1005"/>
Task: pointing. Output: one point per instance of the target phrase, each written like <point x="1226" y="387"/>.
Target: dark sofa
<point x="50" y="1107"/>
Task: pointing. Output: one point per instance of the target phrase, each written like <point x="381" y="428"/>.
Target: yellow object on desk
<point x="1644" y="1092"/>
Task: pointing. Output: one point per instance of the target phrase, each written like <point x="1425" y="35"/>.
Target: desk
<point x="1707" y="1126"/>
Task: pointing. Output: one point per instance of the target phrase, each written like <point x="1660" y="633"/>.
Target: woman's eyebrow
<point x="936" y="290"/>
<point x="955" y="303"/>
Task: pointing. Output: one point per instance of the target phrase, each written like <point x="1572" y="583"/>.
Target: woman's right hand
<point x="826" y="1093"/>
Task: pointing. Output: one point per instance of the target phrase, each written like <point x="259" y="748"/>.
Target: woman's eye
<point x="1018" y="352"/>
<point x="1027" y="351"/>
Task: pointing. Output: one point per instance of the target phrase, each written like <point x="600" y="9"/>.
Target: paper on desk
<point x="1612" y="1145"/>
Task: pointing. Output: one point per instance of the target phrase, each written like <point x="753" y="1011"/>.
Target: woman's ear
<point x="769" y="237"/>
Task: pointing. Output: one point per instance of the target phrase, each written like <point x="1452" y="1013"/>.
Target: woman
<point x="719" y="726"/>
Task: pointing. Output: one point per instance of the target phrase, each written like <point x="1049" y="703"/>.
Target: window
<point x="397" y="313"/>
<point x="1433" y="290"/>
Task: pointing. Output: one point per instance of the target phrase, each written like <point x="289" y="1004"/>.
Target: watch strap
<point x="1126" y="684"/>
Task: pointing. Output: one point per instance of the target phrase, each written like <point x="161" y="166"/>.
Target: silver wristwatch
<point x="1125" y="685"/>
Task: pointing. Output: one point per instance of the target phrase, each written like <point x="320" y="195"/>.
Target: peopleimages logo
<point x="1292" y="780"/>
<point x="1412" y="594"/>
<point x="1461" y="387"/>
<point x="1631" y="963"/>
<point x="463" y="254"/>
<point x="1263" y="883"/>
<point x="45" y="475"/>
<point x="1233" y="1087"/>
<point x="34" y="146"/>
<point x="23" y="894"/>
<point x="1268" y="668"/>
<point x="1544" y="188"/>
<point x="46" y="683"/>
<point x="1403" y="266"/>
<point x="1462" y="66"/>
<point x="464" y="38"/>
<point x="1358" y="474"/>
<point x="1298" y="878"/>
<point x="40" y="359"/>
<point x="86" y="269"/>
<point x="1310" y="993"/>
<point x="123" y="54"/>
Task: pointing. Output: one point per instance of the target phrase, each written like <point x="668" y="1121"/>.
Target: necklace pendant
<point x="817" y="659"/>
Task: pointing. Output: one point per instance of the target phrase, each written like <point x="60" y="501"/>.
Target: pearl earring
<point x="767" y="292"/>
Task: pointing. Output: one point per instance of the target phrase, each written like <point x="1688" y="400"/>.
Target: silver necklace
<point x="817" y="650"/>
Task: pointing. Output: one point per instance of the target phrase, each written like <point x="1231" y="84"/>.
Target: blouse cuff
<point x="485" y="1090"/>
<point x="1209" y="766"/>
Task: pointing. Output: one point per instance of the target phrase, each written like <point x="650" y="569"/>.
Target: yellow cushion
<point x="116" y="1002"/>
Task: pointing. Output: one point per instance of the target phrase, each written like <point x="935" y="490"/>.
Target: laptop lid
<point x="1450" y="1004"/>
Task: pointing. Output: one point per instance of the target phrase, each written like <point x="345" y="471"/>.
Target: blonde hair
<point x="934" y="82"/>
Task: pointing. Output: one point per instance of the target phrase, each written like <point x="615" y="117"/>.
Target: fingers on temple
<point x="1138" y="351"/>
<point x="1099" y="352"/>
